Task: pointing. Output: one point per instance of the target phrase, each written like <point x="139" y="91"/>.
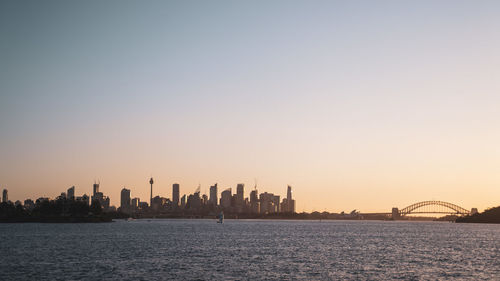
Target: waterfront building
<point x="99" y="196"/>
<point x="226" y="198"/>
<point x="125" y="200"/>
<point x="62" y="196"/>
<point x="254" y="202"/>
<point x="175" y="194"/>
<point x="143" y="205"/>
<point x="276" y="203"/>
<point x="5" y="196"/>
<point x="291" y="205"/>
<point x="183" y="201"/>
<point x="71" y="193"/>
<point x="288" y="204"/>
<point x="269" y="203"/>
<point x="240" y="191"/>
<point x="194" y="201"/>
<point x="29" y="204"/>
<point x="41" y="200"/>
<point x="158" y="203"/>
<point x="106" y="203"/>
<point x="84" y="198"/>
<point x="135" y="203"/>
<point x="284" y="205"/>
<point x="95" y="188"/>
<point x="213" y="195"/>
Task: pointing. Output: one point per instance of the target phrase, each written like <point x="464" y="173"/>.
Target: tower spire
<point x="151" y="196"/>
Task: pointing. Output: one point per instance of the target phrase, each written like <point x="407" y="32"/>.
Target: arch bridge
<point x="431" y="207"/>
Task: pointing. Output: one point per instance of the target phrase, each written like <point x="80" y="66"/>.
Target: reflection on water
<point x="203" y="249"/>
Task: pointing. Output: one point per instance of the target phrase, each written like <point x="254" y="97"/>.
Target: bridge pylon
<point x="395" y="213"/>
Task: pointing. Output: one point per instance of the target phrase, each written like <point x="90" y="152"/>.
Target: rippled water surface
<point x="249" y="250"/>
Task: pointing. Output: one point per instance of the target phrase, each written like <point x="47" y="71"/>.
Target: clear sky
<point x="362" y="105"/>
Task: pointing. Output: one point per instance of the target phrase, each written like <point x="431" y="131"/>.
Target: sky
<point x="362" y="105"/>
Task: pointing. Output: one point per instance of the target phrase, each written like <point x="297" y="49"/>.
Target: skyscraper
<point x="175" y="194"/>
<point x="213" y="195"/>
<point x="240" y="194"/>
<point x="290" y="203"/>
<point x="125" y="199"/>
<point x="225" y="198"/>
<point x="96" y="188"/>
<point x="183" y="201"/>
<point x="71" y="193"/>
<point x="99" y="196"/>
<point x="5" y="196"/>
<point x="269" y="203"/>
<point x="135" y="202"/>
<point x="254" y="202"/>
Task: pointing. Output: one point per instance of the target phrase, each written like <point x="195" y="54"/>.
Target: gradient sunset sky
<point x="362" y="105"/>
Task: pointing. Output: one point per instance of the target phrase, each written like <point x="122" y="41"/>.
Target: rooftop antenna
<point x="255" y="187"/>
<point x="198" y="189"/>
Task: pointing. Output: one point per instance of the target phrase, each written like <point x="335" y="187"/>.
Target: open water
<point x="250" y="250"/>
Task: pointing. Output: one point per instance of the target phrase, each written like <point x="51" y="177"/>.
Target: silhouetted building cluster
<point x="99" y="196"/>
<point x="64" y="208"/>
<point x="201" y="204"/>
<point x="187" y="204"/>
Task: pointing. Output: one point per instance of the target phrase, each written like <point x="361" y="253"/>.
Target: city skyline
<point x="356" y="105"/>
<point x="195" y="204"/>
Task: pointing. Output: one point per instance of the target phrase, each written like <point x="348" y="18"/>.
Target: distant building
<point x="288" y="204"/>
<point x="175" y="194"/>
<point x="135" y="203"/>
<point x="240" y="194"/>
<point x="158" y="202"/>
<point x="41" y="200"/>
<point x="106" y="203"/>
<point x="254" y="202"/>
<point x="95" y="188"/>
<point x="194" y="201"/>
<point x="183" y="201"/>
<point x="71" y="193"/>
<point x="62" y="196"/>
<point x="143" y="205"/>
<point x="276" y="203"/>
<point x="99" y="196"/>
<point x="269" y="203"/>
<point x="213" y="195"/>
<point x="5" y="196"/>
<point x="85" y="198"/>
<point x="125" y="200"/>
<point x="225" y="198"/>
<point x="29" y="204"/>
<point x="284" y="205"/>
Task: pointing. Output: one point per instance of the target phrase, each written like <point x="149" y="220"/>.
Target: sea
<point x="189" y="249"/>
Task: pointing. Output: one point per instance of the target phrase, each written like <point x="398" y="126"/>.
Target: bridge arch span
<point x="435" y="207"/>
